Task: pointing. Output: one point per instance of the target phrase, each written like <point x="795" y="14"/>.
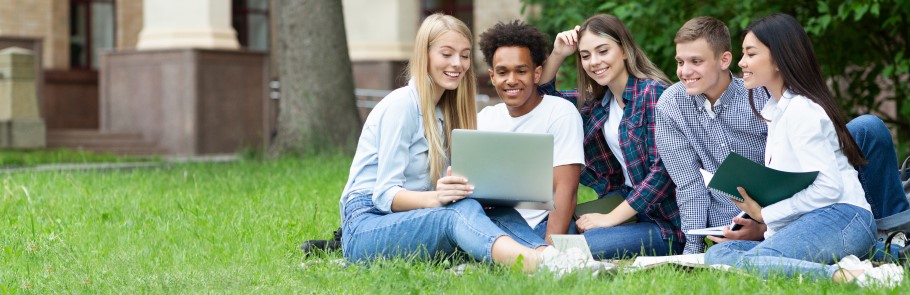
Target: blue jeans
<point x="806" y="246"/>
<point x="879" y="177"/>
<point x="627" y="240"/>
<point x="504" y="218"/>
<point x="424" y="233"/>
<point x="624" y="241"/>
<point x="541" y="228"/>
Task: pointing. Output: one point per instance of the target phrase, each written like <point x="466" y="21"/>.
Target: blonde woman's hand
<point x="566" y="43"/>
<point x="450" y="189"/>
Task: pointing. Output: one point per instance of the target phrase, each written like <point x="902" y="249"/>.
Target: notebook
<point x="506" y="168"/>
<point x="764" y="185"/>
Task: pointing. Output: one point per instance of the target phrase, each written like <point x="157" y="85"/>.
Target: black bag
<point x="316" y="246"/>
<point x="899" y="224"/>
<point x="905" y="177"/>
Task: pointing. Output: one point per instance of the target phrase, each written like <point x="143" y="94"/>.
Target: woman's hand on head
<point x="566" y="43"/>
<point x="450" y="189"/>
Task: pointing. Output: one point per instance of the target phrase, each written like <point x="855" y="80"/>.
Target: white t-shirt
<point x="611" y="134"/>
<point x="554" y="116"/>
<point x="801" y="138"/>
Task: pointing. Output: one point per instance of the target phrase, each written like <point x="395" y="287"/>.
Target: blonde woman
<point x="399" y="200"/>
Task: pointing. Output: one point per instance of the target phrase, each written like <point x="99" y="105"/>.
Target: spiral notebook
<point x="764" y="185"/>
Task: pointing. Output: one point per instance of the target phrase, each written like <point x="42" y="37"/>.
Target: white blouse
<point x="802" y="138"/>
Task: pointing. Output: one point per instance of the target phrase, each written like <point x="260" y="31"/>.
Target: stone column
<point x="187" y="24"/>
<point x="21" y="125"/>
<point x="380" y="40"/>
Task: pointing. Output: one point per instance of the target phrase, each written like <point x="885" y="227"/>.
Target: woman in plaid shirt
<point x="620" y="88"/>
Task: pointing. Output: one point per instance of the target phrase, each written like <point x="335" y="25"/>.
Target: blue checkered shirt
<point x="688" y="138"/>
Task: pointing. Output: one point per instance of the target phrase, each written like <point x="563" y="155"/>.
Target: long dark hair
<point x="792" y="53"/>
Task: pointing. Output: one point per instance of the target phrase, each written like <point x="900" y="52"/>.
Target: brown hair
<point x="637" y="63"/>
<point x="713" y="30"/>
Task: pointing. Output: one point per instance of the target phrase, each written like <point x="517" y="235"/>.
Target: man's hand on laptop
<point x="450" y="189"/>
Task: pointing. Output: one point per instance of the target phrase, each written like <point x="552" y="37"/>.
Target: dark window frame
<point x="240" y="14"/>
<point x="450" y="7"/>
<point x="88" y="49"/>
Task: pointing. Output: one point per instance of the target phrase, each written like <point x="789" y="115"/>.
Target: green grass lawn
<point x="20" y="158"/>
<point x="236" y="228"/>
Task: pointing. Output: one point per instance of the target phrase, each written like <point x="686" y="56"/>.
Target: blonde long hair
<point x="637" y="63"/>
<point x="458" y="106"/>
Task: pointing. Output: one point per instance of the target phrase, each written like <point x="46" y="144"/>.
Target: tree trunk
<point x="318" y="110"/>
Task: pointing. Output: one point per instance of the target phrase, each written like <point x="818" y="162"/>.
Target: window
<point x="460" y="9"/>
<point x="92" y="29"/>
<point x="250" y="19"/>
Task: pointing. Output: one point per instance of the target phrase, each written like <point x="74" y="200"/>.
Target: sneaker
<point x="852" y="262"/>
<point x="886" y="275"/>
<point x="561" y="263"/>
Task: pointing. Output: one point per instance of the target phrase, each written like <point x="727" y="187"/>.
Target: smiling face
<point x="601" y="58"/>
<point x="758" y="66"/>
<point x="701" y="70"/>
<point x="450" y="58"/>
<point x="515" y="77"/>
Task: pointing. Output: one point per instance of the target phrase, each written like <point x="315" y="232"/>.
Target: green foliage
<point x="861" y="44"/>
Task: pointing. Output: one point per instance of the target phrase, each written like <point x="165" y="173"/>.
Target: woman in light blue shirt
<point x="830" y="221"/>
<point x="399" y="201"/>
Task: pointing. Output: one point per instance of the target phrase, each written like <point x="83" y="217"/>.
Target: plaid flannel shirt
<point x="653" y="193"/>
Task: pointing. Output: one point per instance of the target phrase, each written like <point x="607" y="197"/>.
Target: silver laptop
<point x="506" y="168"/>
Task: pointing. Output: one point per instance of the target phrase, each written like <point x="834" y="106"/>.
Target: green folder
<point x="764" y="185"/>
<point x="602" y="205"/>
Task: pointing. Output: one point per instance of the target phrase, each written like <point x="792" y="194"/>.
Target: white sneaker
<point x="851" y="262"/>
<point x="886" y="275"/>
<point x="571" y="260"/>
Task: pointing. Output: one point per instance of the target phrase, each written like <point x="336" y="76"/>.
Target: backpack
<point x="899" y="224"/>
<point x="905" y="176"/>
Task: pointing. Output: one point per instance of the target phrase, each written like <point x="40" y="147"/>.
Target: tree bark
<point x="317" y="109"/>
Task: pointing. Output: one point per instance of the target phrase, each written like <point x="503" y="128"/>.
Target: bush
<point x="862" y="45"/>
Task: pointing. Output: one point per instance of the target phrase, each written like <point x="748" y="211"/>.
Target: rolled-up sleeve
<point x="395" y="133"/>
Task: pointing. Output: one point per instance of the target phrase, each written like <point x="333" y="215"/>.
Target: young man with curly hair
<point x="515" y="52"/>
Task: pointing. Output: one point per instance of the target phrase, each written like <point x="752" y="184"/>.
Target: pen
<point x="736" y="226"/>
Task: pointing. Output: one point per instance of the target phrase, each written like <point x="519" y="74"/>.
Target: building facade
<point x="104" y="64"/>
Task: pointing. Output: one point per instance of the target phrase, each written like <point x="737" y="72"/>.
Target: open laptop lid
<point x="506" y="168"/>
